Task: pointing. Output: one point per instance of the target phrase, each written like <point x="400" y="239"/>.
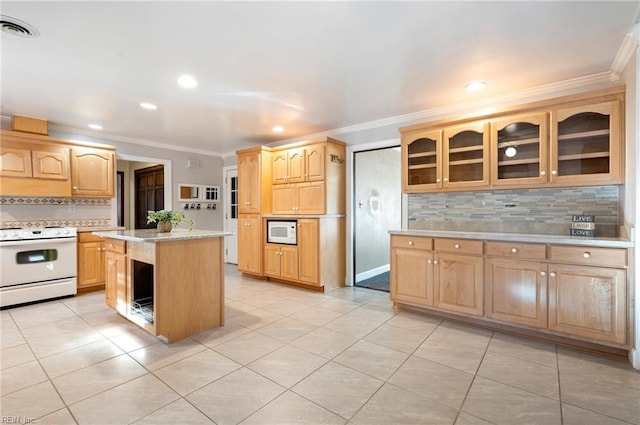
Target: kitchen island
<point x="170" y="284"/>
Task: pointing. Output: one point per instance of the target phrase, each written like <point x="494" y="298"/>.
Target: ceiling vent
<point x="17" y="27"/>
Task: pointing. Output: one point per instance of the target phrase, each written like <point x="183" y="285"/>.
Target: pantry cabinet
<point x="579" y="292"/>
<point x="575" y="140"/>
<point x="92" y="172"/>
<point x="91" y="262"/>
<point x="250" y="243"/>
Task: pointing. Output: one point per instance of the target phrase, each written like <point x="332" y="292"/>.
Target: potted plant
<point x="167" y="219"/>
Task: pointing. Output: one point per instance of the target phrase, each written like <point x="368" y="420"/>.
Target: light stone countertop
<point x="152" y="235"/>
<point x="520" y="237"/>
<point x="98" y="228"/>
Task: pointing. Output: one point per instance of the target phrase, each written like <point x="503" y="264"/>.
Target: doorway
<point x="231" y="214"/>
<point x="149" y="194"/>
<point x="377" y="209"/>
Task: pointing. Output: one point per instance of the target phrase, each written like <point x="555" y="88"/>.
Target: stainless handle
<point x="514" y="250"/>
<point x="586" y="254"/>
<point x="552" y="274"/>
<point x="543" y="274"/>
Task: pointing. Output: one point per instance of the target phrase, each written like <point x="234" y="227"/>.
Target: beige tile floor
<point x="291" y="356"/>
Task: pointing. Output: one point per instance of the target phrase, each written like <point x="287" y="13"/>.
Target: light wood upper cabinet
<point x="15" y="162"/>
<point x="279" y="167"/>
<point x="297" y="165"/>
<point x="249" y="188"/>
<point x="302" y="198"/>
<point x="92" y="172"/>
<point x="422" y="161"/>
<point x="315" y="162"/>
<point x="519" y="150"/>
<point x="589" y="302"/>
<point x="296" y="158"/>
<point x="586" y="144"/>
<point x="465" y="156"/>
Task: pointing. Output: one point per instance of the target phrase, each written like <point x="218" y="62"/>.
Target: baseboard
<point x="372" y="272"/>
<point x="634" y="358"/>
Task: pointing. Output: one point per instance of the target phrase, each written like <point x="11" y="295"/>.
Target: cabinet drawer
<point x="465" y="246"/>
<point x="517" y="250"/>
<point x="88" y="237"/>
<point x="116" y="245"/>
<point x="417" y="242"/>
<point x="608" y="257"/>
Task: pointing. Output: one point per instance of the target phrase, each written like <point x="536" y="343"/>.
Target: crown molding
<point x="628" y="46"/>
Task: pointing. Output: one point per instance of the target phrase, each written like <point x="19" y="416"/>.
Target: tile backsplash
<point x="540" y="211"/>
<point x="17" y="211"/>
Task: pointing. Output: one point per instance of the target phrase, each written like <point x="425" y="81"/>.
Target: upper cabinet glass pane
<point x="583" y="144"/>
<point x="422" y="161"/>
<point x="466" y="156"/>
<point x="518" y="151"/>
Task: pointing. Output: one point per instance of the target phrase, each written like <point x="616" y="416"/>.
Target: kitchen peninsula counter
<point x="171" y="284"/>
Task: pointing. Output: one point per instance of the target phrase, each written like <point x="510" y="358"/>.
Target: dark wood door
<point x="149" y="194"/>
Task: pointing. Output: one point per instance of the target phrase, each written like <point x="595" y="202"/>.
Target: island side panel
<point x="189" y="287"/>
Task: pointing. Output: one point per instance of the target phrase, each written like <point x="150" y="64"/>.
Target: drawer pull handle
<point x="543" y="274"/>
<point x="514" y="250"/>
<point x="586" y="255"/>
<point x="410" y="242"/>
<point x="552" y="274"/>
<point x="457" y="246"/>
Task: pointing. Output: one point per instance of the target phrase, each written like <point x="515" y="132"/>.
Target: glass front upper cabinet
<point x="465" y="154"/>
<point x="586" y="144"/>
<point x="421" y="154"/>
<point x="519" y="150"/>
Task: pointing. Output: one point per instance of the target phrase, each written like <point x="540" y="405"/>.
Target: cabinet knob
<point x="110" y="246"/>
<point x="552" y="274"/>
<point x="429" y="261"/>
<point x="543" y="173"/>
<point x="75" y="187"/>
<point x="437" y="180"/>
<point x="446" y="179"/>
<point x="586" y="255"/>
<point x="543" y="274"/>
<point x="435" y="262"/>
<point x="410" y="242"/>
<point x="111" y="262"/>
<point x="554" y="172"/>
<point x="514" y="250"/>
<point x="457" y="246"/>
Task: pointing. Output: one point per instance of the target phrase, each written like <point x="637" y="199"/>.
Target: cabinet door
<point x="296" y="165"/>
<point x="422" y="161"/>
<point x="412" y="276"/>
<point x="289" y="262"/>
<point x="250" y="243"/>
<point x="92" y="172"/>
<point x="249" y="183"/>
<point x="309" y="251"/>
<point x="516" y="292"/>
<point x="519" y="150"/>
<point x="15" y="162"/>
<point x="116" y="281"/>
<point x="586" y="144"/>
<point x="311" y="198"/>
<point x="280" y="167"/>
<point x="466" y="156"/>
<point x="459" y="283"/>
<point x="51" y="164"/>
<point x="91" y="257"/>
<point x="589" y="302"/>
<point x="284" y="199"/>
<point x="314" y="162"/>
<point x="272" y="260"/>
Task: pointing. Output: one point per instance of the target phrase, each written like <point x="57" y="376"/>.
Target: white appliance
<point x="282" y="231"/>
<point x="37" y="264"/>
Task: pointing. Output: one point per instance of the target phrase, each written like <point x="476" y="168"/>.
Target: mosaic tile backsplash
<point x="538" y="211"/>
<point x="19" y="211"/>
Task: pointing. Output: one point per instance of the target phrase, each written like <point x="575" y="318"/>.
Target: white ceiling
<point x="308" y="66"/>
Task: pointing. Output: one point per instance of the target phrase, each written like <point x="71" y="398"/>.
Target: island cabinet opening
<point x="142" y="291"/>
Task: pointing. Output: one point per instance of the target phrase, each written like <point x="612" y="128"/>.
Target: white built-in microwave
<point x="282" y="231"/>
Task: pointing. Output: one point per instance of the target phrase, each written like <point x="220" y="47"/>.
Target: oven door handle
<point x="28" y="242"/>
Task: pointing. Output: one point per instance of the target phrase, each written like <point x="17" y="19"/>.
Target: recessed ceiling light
<point x="95" y="126"/>
<point x="149" y="106"/>
<point x="187" y="81"/>
<point x="277" y="129"/>
<point x="475" y="86"/>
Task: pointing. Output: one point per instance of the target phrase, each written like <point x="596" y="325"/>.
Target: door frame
<point x="350" y="204"/>
<point x="227" y="205"/>
<point x="168" y="189"/>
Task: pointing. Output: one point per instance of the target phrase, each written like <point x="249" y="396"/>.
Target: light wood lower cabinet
<point x="91" y="260"/>
<point x="516" y="292"/>
<point x="589" y="302"/>
<point x="309" y="247"/>
<point x="578" y="292"/>
<point x="250" y="241"/>
<point x="281" y="261"/>
<point x="116" y="275"/>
